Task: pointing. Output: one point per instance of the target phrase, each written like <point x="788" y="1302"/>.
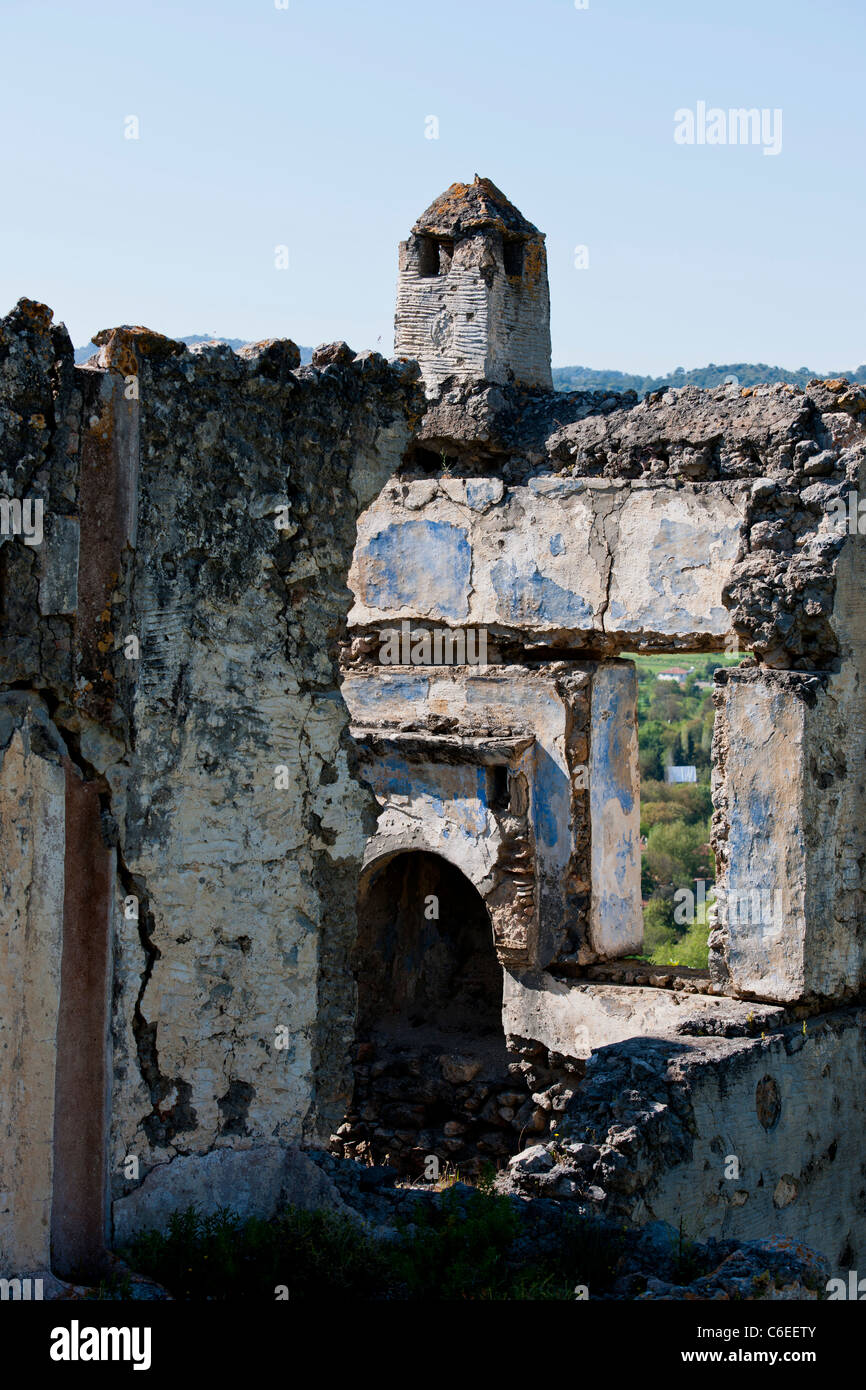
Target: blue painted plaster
<point x="525" y="595"/>
<point x="420" y="565"/>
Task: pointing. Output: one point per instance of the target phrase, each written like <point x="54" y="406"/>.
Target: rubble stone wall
<point x="730" y="1135"/>
<point x="556" y="887"/>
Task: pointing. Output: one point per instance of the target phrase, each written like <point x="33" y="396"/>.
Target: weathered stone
<point x="532" y="1161"/>
<point x="32" y="852"/>
<point x="472" y="296"/>
<point x="250" y="1182"/>
<point x="457" y="1069"/>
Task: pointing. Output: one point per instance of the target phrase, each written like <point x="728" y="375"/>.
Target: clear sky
<point x="306" y="127"/>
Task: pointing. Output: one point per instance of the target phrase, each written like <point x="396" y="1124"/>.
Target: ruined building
<point x="267" y="889"/>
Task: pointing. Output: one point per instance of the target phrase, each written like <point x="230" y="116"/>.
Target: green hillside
<point x="675" y="727"/>
<point x="746" y="373"/>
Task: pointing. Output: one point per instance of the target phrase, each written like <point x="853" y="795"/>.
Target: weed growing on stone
<point x="458" y="1249"/>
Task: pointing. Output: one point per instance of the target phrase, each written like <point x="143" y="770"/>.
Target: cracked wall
<point x="241" y="817"/>
<point x="589" y="527"/>
<point x="568" y="561"/>
<point x="181" y="624"/>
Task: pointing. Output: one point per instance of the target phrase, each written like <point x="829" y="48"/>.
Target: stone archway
<point x="431" y="1061"/>
<point x="425" y="957"/>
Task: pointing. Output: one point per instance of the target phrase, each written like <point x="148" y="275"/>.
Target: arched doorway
<point x="425" y="958"/>
<point x="431" y="1063"/>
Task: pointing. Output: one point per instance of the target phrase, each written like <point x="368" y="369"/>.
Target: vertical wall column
<point x="616" y="917"/>
<point x="789" y="835"/>
<point x="107" y="506"/>
<point x="57" y="879"/>
<point x="32" y="846"/>
<point x="80" y="1206"/>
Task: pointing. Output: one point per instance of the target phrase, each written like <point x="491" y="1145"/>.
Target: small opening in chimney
<point x="512" y="256"/>
<point x="434" y="256"/>
<point x="428" y="256"/>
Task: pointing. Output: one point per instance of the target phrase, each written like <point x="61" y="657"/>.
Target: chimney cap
<point x="467" y="207"/>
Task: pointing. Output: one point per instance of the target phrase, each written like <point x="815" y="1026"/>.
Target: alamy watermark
<point x="848" y="515"/>
<point x="77" y="1343"/>
<point x="21" y="1290"/>
<point x="853" y="1290"/>
<point x="691" y="906"/>
<point x="442" y="647"/>
<point x="762" y="908"/>
<point x="740" y="125"/>
<point x="23" y="519"/>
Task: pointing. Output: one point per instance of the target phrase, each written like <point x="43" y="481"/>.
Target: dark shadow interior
<point x="512" y="256"/>
<point x="431" y="1063"/>
<point x="425" y="956"/>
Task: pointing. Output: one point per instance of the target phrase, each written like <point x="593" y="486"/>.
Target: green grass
<point x="667" y="946"/>
<point x="311" y="1254"/>
<point x="466" y="1248"/>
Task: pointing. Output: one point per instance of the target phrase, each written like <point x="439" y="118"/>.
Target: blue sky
<point x="305" y="127"/>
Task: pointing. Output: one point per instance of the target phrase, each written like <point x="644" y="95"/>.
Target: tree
<point x="677" y="853"/>
<point x="658" y="927"/>
<point x="666" y="703"/>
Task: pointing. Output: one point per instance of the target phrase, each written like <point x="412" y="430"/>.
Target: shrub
<point x="658" y="926"/>
<point x="463" y="1247"/>
<point x="588" y="1253"/>
<point x="677" y="853"/>
<point x="458" y="1250"/>
<point x="315" y="1254"/>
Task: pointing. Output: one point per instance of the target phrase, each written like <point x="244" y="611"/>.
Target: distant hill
<point x="747" y="374"/>
<point x="83" y="353"/>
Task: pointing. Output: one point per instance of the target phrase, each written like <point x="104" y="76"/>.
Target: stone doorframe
<point x="499" y="860"/>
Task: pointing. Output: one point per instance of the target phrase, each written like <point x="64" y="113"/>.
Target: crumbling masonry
<point x="263" y="894"/>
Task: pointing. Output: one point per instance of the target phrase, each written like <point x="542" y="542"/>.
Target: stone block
<point x="251" y="1182"/>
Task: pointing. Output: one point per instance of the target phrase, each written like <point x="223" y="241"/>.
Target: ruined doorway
<point x="425" y="958"/>
<point x="431" y="1062"/>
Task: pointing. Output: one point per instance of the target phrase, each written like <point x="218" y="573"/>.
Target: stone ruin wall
<point x="722" y="1128"/>
<point x="692" y="521"/>
<point x="153" y="779"/>
<point x="218" y="908"/>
